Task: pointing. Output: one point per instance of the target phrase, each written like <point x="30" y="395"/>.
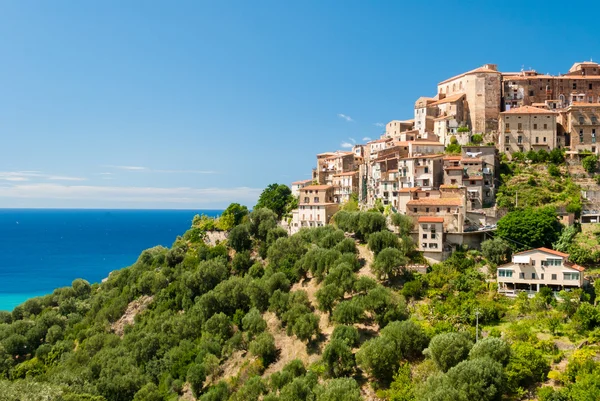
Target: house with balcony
<point x="582" y="123"/>
<point x="536" y="268"/>
<point x="344" y="185"/>
<point x="424" y="171"/>
<point x="527" y="128"/>
<point x="316" y="206"/>
<point x="431" y="237"/>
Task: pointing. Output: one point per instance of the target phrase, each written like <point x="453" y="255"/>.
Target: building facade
<point x="527" y="128"/>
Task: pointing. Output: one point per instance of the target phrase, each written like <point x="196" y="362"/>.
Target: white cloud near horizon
<point x="352" y="140"/>
<point x="149" y="170"/>
<point x="379" y="124"/>
<point x="346" y="145"/>
<point x="179" y="195"/>
<point x="366" y="138"/>
<point x="345" y="117"/>
<point x="28" y="175"/>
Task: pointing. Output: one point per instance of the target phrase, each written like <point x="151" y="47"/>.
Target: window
<point x="472" y="182"/>
<point x="574" y="85"/>
<point x="542" y="276"/>
<point x="521" y="275"/>
<point x="530" y="93"/>
<point x="507" y="126"/>
<point x="533" y="276"/>
<point x="306" y="199"/>
<point x="433" y="245"/>
<point x="507" y="139"/>
<point x="426" y="210"/>
<point x="581" y="136"/>
<point x="426" y="170"/>
<point x="316" y="199"/>
<point x="424" y="236"/>
<point x="537" y="139"/>
<point x="448" y="210"/>
<point x="545" y="126"/>
<point x="505" y="273"/>
<point x="426" y="194"/>
<point x="544" y="139"/>
<point x="415" y="209"/>
<point x="590" y="86"/>
<point x="533" y="263"/>
<point x="519" y="139"/>
<point x="534" y="126"/>
<point x="554" y="277"/>
<point x="571" y="276"/>
<point x="433" y="236"/>
<point x="552" y="262"/>
<point x="520" y="126"/>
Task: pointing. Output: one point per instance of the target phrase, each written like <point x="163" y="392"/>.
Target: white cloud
<point x="366" y="139"/>
<point x="27" y="175"/>
<point x="181" y="195"/>
<point x="345" y="117"/>
<point x="346" y="145"/>
<point x="379" y="124"/>
<point x="352" y="140"/>
<point x="149" y="170"/>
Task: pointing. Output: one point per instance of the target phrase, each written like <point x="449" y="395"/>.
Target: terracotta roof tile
<point x="435" y="202"/>
<point x="575" y="266"/>
<point x="546" y="250"/>
<point x="430" y="219"/>
<point x="300" y="182"/>
<point x="528" y="110"/>
<point x="475" y="71"/>
<point x="449" y="99"/>
<point x="316" y="187"/>
<point x="409" y="189"/>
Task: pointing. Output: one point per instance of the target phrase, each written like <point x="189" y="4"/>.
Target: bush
<point x="553" y="170"/>
<point x="338" y="359"/>
<point x="264" y="347"/>
<point x="526" y="366"/>
<point x="343" y="389"/>
<point x="494" y="348"/>
<point x="253" y="322"/>
<point x="408" y="337"/>
<point x="388" y="263"/>
<point x="348" y="312"/>
<point x="496" y="250"/>
<point x="382" y="240"/>
<point x="448" y="349"/>
<point x="239" y="238"/>
<point x="347" y="334"/>
<point x="590" y="163"/>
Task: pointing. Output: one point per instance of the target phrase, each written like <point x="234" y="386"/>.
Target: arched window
<point x="460" y="85"/>
<point x="453" y="87"/>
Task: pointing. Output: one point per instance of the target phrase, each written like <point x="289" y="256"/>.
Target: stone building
<point x="394" y="128"/>
<point x="331" y="163"/>
<point x="431" y="236"/>
<point x="580" y="84"/>
<point x="525" y="128"/>
<point x="581" y="123"/>
<point x="425" y="112"/>
<point x="482" y="88"/>
<point x="298" y="185"/>
<point x="450" y="117"/>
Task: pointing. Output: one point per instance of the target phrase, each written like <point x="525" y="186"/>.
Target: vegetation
<point x="218" y="322"/>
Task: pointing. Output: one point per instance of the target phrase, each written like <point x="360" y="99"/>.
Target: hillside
<point x="315" y="316"/>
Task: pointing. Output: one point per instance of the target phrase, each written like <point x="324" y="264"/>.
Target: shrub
<point x="381" y="240"/>
<point x="347" y="334"/>
<point x="388" y="263"/>
<point x="264" y="347"/>
<point x="338" y="359"/>
<point x="494" y="348"/>
<point x="448" y="349"/>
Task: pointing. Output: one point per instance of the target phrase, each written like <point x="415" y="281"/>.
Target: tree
<point x="338" y="359"/>
<point x="381" y="240"/>
<point x="237" y="211"/>
<point x="343" y="389"/>
<point x="239" y="238"/>
<point x="553" y="170"/>
<point x="530" y="228"/>
<point x="590" y="163"/>
<point x="275" y="197"/>
<point x="566" y="238"/>
<point x="556" y="156"/>
<point x="253" y="322"/>
<point x="494" y="348"/>
<point x="402" y="388"/>
<point x="526" y="366"/>
<point x="477" y="138"/>
<point x="379" y="358"/>
<point x="348" y="312"/>
<point x="196" y="375"/>
<point x="496" y="250"/>
<point x="477" y="379"/>
<point x="408" y="337"/>
<point x="403" y="223"/>
<point x="389" y="262"/>
<point x="261" y="221"/>
<point x="448" y="349"/>
<point x="264" y="347"/>
<point x="306" y="326"/>
<point x="532" y="156"/>
<point x="347" y="334"/>
<point x="327" y="296"/>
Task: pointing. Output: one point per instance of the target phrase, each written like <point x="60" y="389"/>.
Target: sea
<point x="41" y="250"/>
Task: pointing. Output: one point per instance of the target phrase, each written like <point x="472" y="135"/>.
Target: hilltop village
<point x="442" y="166"/>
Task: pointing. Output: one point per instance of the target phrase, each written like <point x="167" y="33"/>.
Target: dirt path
<point x="128" y="318"/>
<point x="365" y="254"/>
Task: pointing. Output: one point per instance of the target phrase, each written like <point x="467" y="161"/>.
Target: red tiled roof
<point x="435" y="202"/>
<point x="316" y="187"/>
<point x="409" y="189"/>
<point x="528" y="110"/>
<point x="474" y="178"/>
<point x="551" y="251"/>
<point x="301" y="182"/>
<point x="575" y="266"/>
<point x="449" y="99"/>
<point x="475" y="71"/>
<point x="431" y="219"/>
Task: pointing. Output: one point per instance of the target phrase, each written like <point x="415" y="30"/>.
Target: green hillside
<point x="320" y="315"/>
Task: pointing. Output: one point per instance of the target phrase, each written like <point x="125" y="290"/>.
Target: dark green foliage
<point x="347" y="334"/>
<point x="348" y="312"/>
<point x="306" y="326"/>
<point x="403" y="223"/>
<point x="347" y="245"/>
<point x="496" y="250"/>
<point x="196" y="375"/>
<point x="389" y="263"/>
<point x="556" y="156"/>
<point x="328" y="295"/>
<point x="253" y="322"/>
<point x="338" y="359"/>
<point x="219" y="325"/>
<point x="262" y="220"/>
<point x="526" y="366"/>
<point x="381" y="240"/>
<point x="241" y="262"/>
<point x="237" y="211"/>
<point x="494" y="348"/>
<point x="408" y="338"/>
<point x="379" y="358"/>
<point x="590" y="163"/>
<point x="530" y="228"/>
<point x="448" y="349"/>
<point x="284" y="254"/>
<point x="553" y="170"/>
<point x="362" y="224"/>
<point x="342" y="276"/>
<point x="343" y="389"/>
<point x="239" y="238"/>
<point x="264" y="347"/>
<point x="220" y="392"/>
<point x="275" y="197"/>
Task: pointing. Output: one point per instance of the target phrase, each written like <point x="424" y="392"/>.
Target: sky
<point x="197" y="104"/>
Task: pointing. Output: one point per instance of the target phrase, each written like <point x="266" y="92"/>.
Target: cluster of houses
<point x="451" y="196"/>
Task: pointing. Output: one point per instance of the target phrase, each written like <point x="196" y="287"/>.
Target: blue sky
<point x="157" y="104"/>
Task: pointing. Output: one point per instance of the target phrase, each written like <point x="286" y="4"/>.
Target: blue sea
<point x="41" y="250"/>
